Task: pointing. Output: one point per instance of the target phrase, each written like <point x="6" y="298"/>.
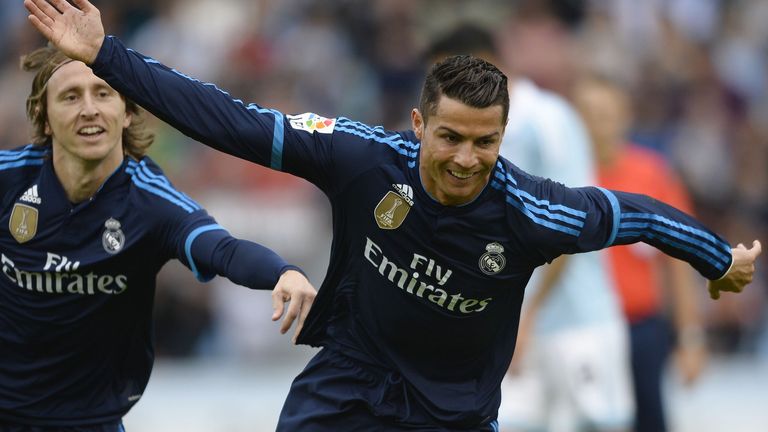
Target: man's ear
<point x="128" y="119"/>
<point x="417" y="122"/>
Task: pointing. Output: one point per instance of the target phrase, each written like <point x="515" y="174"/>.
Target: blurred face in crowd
<point x="86" y="116"/>
<point x="459" y="148"/>
<point x="605" y="109"/>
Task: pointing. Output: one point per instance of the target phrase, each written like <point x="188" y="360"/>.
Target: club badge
<point x="492" y="261"/>
<point x="23" y="222"/>
<point x="391" y="211"/>
<point x="113" y="238"/>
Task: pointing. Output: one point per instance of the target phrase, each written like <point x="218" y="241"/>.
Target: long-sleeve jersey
<point x="431" y="292"/>
<point x="77" y="284"/>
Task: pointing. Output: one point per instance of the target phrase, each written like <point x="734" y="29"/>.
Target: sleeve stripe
<point x="278" y="136"/>
<point x="634" y="226"/>
<point x="146" y="175"/>
<point x="539" y="202"/>
<point x="159" y="192"/>
<point x="378" y="133"/>
<point x="616" y="215"/>
<point x="9" y="155"/>
<point x="719" y="265"/>
<point x="188" y="249"/>
<point x="23" y="162"/>
<point x="679" y="226"/>
<point x="519" y="205"/>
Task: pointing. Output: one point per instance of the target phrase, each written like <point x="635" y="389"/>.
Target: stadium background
<point x="697" y="69"/>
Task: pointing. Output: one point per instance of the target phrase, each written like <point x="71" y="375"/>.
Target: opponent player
<point x="435" y="235"/>
<point x="639" y="271"/>
<point x="87" y="222"/>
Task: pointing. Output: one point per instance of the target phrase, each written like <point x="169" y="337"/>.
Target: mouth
<point x="461" y="175"/>
<point x="90" y="131"/>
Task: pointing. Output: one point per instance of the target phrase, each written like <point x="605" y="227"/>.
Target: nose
<point x="89" y="107"/>
<point x="465" y="156"/>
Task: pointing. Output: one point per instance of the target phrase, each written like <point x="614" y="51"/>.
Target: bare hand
<point x="76" y="31"/>
<point x="292" y="288"/>
<point x="741" y="271"/>
<point x="690" y="362"/>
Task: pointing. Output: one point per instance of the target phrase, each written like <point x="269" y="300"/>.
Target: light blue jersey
<point x="546" y="137"/>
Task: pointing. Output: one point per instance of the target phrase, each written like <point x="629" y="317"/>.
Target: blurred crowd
<point x="696" y="70"/>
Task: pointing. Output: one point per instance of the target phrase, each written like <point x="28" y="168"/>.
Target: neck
<point x="81" y="179"/>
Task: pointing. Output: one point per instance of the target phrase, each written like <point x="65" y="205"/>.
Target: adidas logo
<point x="31" y="196"/>
<point x="405" y="191"/>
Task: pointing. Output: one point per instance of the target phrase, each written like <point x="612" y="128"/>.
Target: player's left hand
<point x="741" y="271"/>
<point x="294" y="289"/>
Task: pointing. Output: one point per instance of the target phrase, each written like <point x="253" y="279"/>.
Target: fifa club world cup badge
<point x="113" y="238"/>
<point x="492" y="261"/>
<point x="394" y="207"/>
<point x="23" y="222"/>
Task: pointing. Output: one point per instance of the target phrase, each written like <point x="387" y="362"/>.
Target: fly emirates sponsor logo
<point x="410" y="280"/>
<point x="60" y="276"/>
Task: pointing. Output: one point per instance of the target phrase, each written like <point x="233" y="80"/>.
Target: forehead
<point x="455" y="115"/>
<point x="73" y="74"/>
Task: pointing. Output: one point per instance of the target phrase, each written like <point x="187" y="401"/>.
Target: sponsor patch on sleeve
<point x="311" y="122"/>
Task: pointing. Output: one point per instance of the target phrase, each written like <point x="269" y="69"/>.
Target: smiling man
<point x="435" y="236"/>
<point x="87" y="222"/>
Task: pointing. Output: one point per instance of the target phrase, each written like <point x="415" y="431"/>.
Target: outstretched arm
<point x="249" y="264"/>
<point x="76" y="31"/>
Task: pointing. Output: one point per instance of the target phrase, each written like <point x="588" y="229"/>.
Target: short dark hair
<point x="467" y="79"/>
<point x="47" y="60"/>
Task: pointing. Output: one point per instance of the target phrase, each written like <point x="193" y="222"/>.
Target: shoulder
<point x="23" y="158"/>
<point x="20" y="163"/>
<point x="375" y="143"/>
<point x="150" y="183"/>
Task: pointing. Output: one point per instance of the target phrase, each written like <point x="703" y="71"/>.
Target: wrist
<point x="691" y="337"/>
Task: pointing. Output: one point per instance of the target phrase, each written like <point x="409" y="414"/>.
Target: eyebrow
<point x="77" y="87"/>
<point x="492" y="135"/>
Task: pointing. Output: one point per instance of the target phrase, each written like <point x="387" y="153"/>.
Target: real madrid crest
<point x="392" y="210"/>
<point x="23" y="222"/>
<point x="492" y="261"/>
<point x="113" y="238"/>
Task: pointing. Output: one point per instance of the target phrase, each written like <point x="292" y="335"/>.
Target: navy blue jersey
<point x="78" y="281"/>
<point x="429" y="291"/>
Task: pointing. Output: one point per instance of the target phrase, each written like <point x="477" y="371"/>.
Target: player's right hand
<point x="75" y="30"/>
<point x="294" y="289"/>
<point x="741" y="272"/>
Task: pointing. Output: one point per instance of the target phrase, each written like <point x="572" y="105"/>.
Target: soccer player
<point x="571" y="365"/>
<point x="435" y="235"/>
<point x="87" y="223"/>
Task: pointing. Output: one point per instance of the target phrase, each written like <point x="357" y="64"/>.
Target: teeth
<point x="91" y="130"/>
<point x="460" y="174"/>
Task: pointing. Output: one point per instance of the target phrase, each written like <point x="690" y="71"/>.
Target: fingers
<point x="278" y="304"/>
<point x="41" y="9"/>
<point x="293" y="311"/>
<point x="40" y="26"/>
<point x="84" y="5"/>
<point x="306" y="304"/>
<point x="757" y="248"/>
<point x="60" y="5"/>
<point x="714" y="293"/>
<point x="38" y="17"/>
